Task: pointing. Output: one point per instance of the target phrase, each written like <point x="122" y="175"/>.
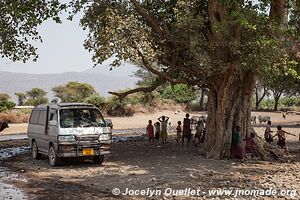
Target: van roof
<point x="62" y="105"/>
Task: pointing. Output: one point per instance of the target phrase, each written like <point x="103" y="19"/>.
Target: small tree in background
<point x="282" y="81"/>
<point x="4" y="97"/>
<point x="96" y="100"/>
<point x="5" y="104"/>
<point x="74" y="91"/>
<point x="36" y="96"/>
<point x="180" y="93"/>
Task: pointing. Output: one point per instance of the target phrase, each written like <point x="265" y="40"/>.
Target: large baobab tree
<point x="221" y="45"/>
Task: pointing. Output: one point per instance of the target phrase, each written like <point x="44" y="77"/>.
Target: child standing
<point x="268" y="135"/>
<point x="178" y="131"/>
<point x="157" y="131"/>
<point x="236" y="149"/>
<point x="164" y="125"/>
<point x="249" y="148"/>
<point x="150" y="132"/>
<point x="282" y="138"/>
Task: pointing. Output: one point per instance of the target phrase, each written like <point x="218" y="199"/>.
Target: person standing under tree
<point x="187" y="132"/>
<point x="236" y="149"/>
<point x="157" y="131"/>
<point x="178" y="132"/>
<point x="199" y="131"/>
<point x="282" y="138"/>
<point x="249" y="147"/>
<point x="268" y="135"/>
<point x="150" y="132"/>
<point x="164" y="125"/>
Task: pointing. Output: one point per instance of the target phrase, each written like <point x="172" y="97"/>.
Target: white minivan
<point x="68" y="130"/>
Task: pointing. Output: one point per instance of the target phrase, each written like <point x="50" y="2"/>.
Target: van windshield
<point x="81" y="117"/>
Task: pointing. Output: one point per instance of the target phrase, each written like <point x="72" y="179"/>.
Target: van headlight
<point x="104" y="137"/>
<point x="66" y="138"/>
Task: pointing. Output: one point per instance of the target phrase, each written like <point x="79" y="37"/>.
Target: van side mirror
<point x="53" y="123"/>
<point x="109" y="123"/>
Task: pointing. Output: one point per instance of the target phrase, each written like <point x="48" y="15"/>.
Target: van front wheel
<point x="35" y="151"/>
<point x="53" y="158"/>
<point x="98" y="159"/>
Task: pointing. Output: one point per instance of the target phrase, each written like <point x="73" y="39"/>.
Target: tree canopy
<point x="5" y="103"/>
<point x="173" y="39"/>
<point x="4" y="97"/>
<point x="19" y="21"/>
<point x="180" y="93"/>
<point x="35" y="96"/>
<point x="74" y="91"/>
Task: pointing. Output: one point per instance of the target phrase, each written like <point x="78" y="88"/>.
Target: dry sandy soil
<point x="138" y="166"/>
<point x="141" y="120"/>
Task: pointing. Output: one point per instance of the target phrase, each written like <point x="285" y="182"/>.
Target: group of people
<point x="236" y="148"/>
<point x="184" y="133"/>
<point x="236" y="144"/>
<point x="158" y="131"/>
<point x="281" y="134"/>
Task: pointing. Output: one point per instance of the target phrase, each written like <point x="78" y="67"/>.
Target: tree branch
<point x="157" y="72"/>
<point x="279" y="12"/>
<point x="149" y="19"/>
<point x="151" y="88"/>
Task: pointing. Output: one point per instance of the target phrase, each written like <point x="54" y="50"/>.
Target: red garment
<point x="249" y="145"/>
<point x="237" y="151"/>
<point x="150" y="130"/>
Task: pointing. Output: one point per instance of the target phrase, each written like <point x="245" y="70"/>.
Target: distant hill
<point x="103" y="80"/>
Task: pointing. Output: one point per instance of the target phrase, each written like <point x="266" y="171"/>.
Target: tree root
<point x="266" y="151"/>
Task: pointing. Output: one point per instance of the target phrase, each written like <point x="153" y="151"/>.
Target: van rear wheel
<point x="53" y="158"/>
<point x="98" y="159"/>
<point x="35" y="151"/>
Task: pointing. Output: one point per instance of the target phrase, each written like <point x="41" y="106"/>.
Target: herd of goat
<point x="203" y="118"/>
<point x="260" y="118"/>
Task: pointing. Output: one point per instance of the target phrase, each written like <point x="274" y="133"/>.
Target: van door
<point x="53" y="126"/>
<point x="33" y="133"/>
<point x="44" y="138"/>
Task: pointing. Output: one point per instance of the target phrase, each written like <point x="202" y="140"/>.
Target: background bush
<point x="15" y="116"/>
<point x="6" y="105"/>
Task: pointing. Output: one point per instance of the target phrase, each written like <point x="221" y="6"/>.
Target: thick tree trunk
<point x="229" y="96"/>
<point x="276" y="100"/>
<point x="228" y="106"/>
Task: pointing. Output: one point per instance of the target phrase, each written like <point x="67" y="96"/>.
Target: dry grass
<point x="295" y="108"/>
<point x="14" y="116"/>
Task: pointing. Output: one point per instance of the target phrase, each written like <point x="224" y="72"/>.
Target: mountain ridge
<point x="12" y="82"/>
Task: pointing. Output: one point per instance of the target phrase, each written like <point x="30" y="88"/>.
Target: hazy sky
<point x="61" y="51"/>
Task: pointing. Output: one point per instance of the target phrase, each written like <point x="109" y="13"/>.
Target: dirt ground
<point x="140" y="120"/>
<point x="139" y="166"/>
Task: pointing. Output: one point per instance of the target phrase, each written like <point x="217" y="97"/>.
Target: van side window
<point x="34" y="117"/>
<point x="42" y="117"/>
<point x="53" y="115"/>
